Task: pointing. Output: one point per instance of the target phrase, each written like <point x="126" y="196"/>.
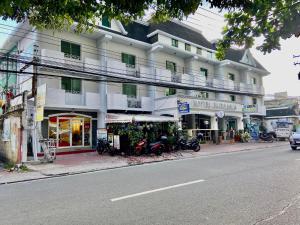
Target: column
<point x="102" y="45"/>
<point x="190" y="70"/>
<point x="240" y="124"/>
<point x="215" y="128"/>
<point x="151" y="64"/>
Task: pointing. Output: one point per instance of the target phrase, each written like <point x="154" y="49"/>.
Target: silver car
<point x="295" y="140"/>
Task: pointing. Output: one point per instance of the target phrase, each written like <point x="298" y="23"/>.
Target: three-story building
<point x="138" y="68"/>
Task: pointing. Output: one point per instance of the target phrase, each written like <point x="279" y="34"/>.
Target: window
<point x="129" y="60"/>
<point x="203" y="95"/>
<point x="71" y="50"/>
<point x="72" y="85"/>
<point x="129" y="90"/>
<point x="171" y="66"/>
<point x="253" y="80"/>
<point x="209" y="54"/>
<point x="170" y="91"/>
<point x="175" y="43"/>
<point x="199" y="51"/>
<point x="106" y="21"/>
<point x="231" y="76"/>
<point x="187" y="47"/>
<point x="204" y="72"/>
<point x="232" y="98"/>
<point x="254" y="101"/>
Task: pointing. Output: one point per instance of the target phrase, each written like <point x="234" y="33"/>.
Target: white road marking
<point x="156" y="190"/>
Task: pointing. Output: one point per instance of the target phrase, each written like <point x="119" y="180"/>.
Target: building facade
<point x="166" y="69"/>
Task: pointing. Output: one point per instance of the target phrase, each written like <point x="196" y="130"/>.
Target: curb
<point x="49" y="176"/>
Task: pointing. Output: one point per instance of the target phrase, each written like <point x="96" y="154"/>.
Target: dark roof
<point x="140" y="31"/>
<point x="181" y="32"/>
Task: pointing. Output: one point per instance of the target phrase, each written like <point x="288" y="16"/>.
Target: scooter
<point x="193" y="144"/>
<point x="144" y="147"/>
<point x="268" y="137"/>
<point x="104" y="146"/>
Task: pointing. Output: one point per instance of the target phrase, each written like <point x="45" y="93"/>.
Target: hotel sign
<point x="214" y="105"/>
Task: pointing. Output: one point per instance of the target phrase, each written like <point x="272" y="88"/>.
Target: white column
<point x="151" y="64"/>
<point x="214" y="123"/>
<point x="240" y="124"/>
<point x="102" y="45"/>
<point x="190" y="70"/>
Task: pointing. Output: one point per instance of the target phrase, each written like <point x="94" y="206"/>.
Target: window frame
<point x="254" y="101"/>
<point x="105" y="21"/>
<point x="72" y="86"/>
<point x="254" y="81"/>
<point x="71" y="52"/>
<point x="174" y="66"/>
<point x="127" y="62"/>
<point x="126" y="87"/>
<point x="171" y="91"/>
<point x="231" y="76"/>
<point x="188" y="47"/>
<point x="232" y="98"/>
<point x="202" y="69"/>
<point x="174" y="42"/>
<point x="199" y="51"/>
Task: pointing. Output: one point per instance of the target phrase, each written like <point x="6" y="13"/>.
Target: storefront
<point x="71" y="131"/>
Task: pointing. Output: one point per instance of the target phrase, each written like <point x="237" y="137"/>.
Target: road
<point x="260" y="187"/>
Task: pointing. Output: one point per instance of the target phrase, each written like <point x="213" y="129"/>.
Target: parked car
<point x="295" y="140"/>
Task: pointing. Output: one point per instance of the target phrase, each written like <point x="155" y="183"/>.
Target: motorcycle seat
<point x="155" y="143"/>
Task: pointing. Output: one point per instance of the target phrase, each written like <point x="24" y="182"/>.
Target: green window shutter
<point x="129" y="90"/>
<point x="76" y="85"/>
<point x="171" y="66"/>
<point x="75" y="51"/>
<point x="171" y="91"/>
<point x="65" y="47"/>
<point x="128" y="59"/>
<point x="106" y="21"/>
<point x="66" y="84"/>
<point x="204" y="71"/>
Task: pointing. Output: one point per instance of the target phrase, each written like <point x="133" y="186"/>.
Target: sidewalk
<point x="88" y="162"/>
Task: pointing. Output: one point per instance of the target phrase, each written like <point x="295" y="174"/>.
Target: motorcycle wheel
<point x="197" y="149"/>
<point x="138" y="152"/>
<point x="99" y="150"/>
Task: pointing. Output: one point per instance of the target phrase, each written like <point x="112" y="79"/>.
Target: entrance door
<point x="77" y="132"/>
<point x="64" y="129"/>
<point x="232" y="124"/>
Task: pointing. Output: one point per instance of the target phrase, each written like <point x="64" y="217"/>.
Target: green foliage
<point x="61" y="14"/>
<point x="9" y="166"/>
<point x="245" y="137"/>
<point x="272" y="19"/>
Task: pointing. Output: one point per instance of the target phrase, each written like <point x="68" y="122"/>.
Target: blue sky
<point x="5" y="29"/>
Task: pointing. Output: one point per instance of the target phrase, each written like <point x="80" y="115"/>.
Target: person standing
<point x="231" y="135"/>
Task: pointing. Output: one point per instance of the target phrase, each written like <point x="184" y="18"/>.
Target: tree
<point x="272" y="19"/>
<point x="58" y="14"/>
<point x="246" y="19"/>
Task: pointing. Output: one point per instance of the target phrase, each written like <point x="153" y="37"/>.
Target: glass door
<point x="77" y="132"/>
<point x="64" y="131"/>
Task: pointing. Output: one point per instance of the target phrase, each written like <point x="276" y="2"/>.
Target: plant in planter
<point x="246" y="137"/>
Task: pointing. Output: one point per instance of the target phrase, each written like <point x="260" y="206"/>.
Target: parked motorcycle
<point x="104" y="146"/>
<point x="193" y="144"/>
<point x="144" y="147"/>
<point x="267" y="136"/>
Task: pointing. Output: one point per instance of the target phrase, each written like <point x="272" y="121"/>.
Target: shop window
<point x="171" y="66"/>
<point x="72" y="85"/>
<point x="175" y="43"/>
<point x="199" y="51"/>
<point x="187" y="47"/>
<point x="254" y="80"/>
<point x="254" y="101"/>
<point x="170" y="91"/>
<point x="231" y="76"/>
<point x="106" y="21"/>
<point x="232" y="98"/>
<point x="204" y="72"/>
<point x="129" y="60"/>
<point x="130" y="90"/>
<point x="70" y="50"/>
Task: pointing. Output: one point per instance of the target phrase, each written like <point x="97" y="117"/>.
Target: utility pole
<point x="36" y="127"/>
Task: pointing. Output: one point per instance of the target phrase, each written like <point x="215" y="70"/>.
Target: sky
<point x="283" y="73"/>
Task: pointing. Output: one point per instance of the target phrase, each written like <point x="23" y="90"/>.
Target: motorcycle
<point x="267" y="136"/>
<point x="104" y="146"/>
<point x="193" y="144"/>
<point x="144" y="147"/>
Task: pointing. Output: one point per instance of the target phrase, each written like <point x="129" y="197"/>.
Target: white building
<point x="168" y="64"/>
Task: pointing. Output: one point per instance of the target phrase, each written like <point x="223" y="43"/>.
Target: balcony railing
<point x="123" y="102"/>
<point x="134" y="103"/>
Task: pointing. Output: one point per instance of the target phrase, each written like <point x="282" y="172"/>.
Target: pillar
<point x="240" y="124"/>
<point x="151" y="64"/>
<point x="215" y="128"/>
<point x="102" y="45"/>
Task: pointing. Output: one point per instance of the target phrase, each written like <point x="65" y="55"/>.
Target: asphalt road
<point x="251" y="187"/>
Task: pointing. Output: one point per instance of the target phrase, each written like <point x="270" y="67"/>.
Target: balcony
<point x="57" y="58"/>
<point x="123" y="102"/>
<point x="117" y="68"/>
<point x="58" y="98"/>
<point x="251" y="88"/>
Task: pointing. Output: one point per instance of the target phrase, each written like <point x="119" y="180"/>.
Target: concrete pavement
<point x="252" y="187"/>
<point x="88" y="162"/>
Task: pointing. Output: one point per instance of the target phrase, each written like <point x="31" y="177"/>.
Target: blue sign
<point x="183" y="107"/>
